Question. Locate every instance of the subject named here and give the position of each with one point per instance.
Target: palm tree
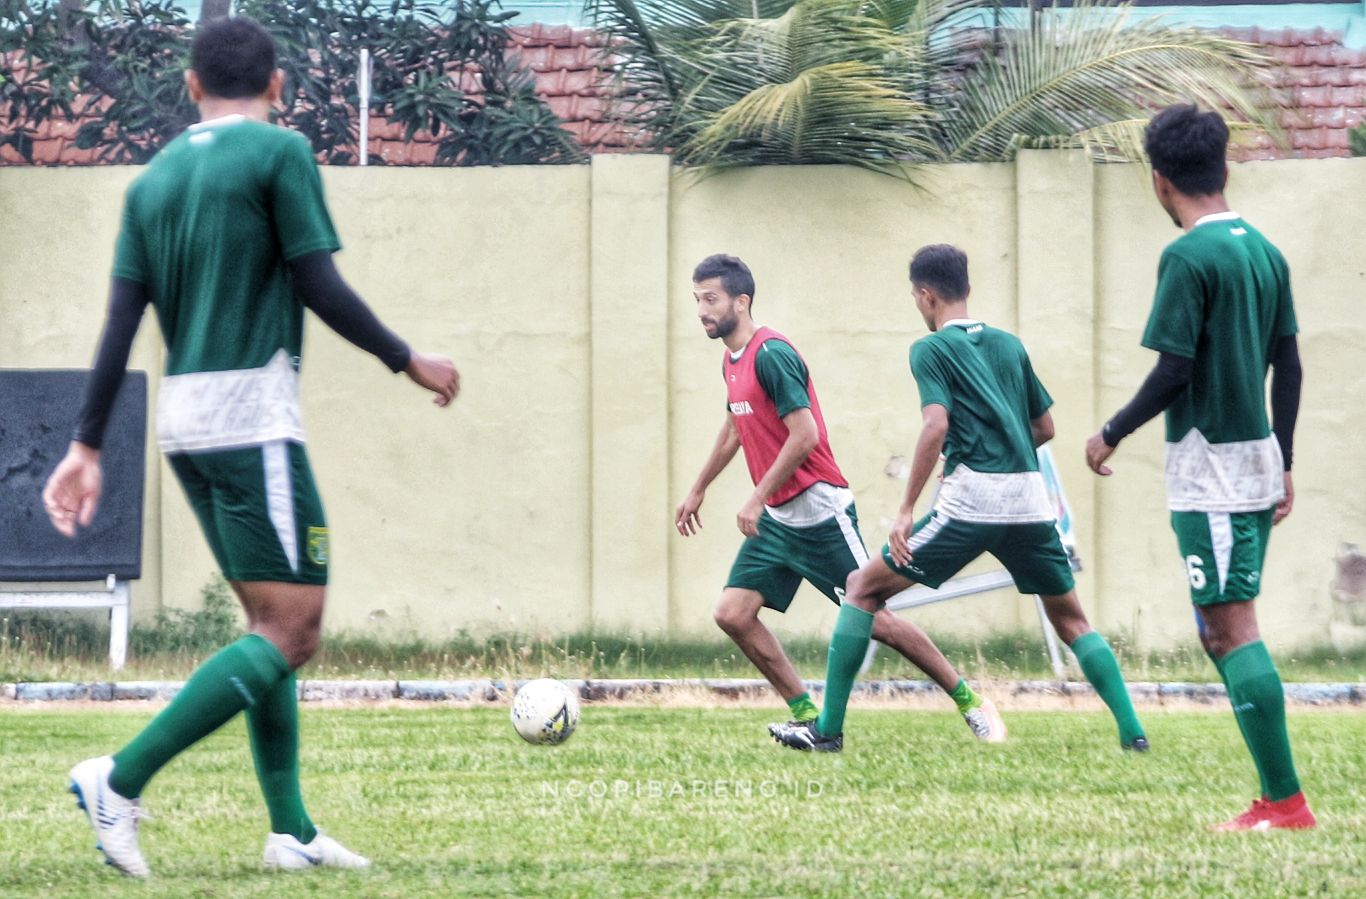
(885, 84)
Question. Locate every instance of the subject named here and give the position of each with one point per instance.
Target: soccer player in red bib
(800, 522)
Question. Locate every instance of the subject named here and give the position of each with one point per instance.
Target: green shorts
(1031, 552)
(775, 560)
(260, 511)
(1223, 553)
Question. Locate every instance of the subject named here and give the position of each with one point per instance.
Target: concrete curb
(1319, 694)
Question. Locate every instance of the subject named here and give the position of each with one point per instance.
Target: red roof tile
(1323, 82)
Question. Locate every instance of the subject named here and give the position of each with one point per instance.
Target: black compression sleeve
(322, 289)
(1286, 376)
(127, 301)
(1163, 385)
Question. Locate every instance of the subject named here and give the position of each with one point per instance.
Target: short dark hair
(233, 57)
(1188, 148)
(943, 269)
(734, 274)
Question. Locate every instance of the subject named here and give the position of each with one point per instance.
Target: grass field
(671, 801)
(72, 646)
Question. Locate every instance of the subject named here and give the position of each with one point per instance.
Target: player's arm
(687, 517)
(783, 376)
(934, 428)
(1041, 429)
(802, 437)
(320, 287)
(1168, 379)
(72, 493)
(1287, 376)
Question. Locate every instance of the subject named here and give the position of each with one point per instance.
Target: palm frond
(1076, 74)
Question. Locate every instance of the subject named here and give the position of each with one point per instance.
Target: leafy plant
(199, 631)
(439, 67)
(38, 72)
(1356, 140)
(884, 83)
(135, 50)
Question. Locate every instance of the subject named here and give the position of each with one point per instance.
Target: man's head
(939, 278)
(724, 290)
(233, 59)
(1188, 149)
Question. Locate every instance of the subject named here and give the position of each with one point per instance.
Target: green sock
(848, 646)
(1242, 728)
(1258, 700)
(273, 724)
(233, 679)
(1098, 663)
(803, 709)
(963, 697)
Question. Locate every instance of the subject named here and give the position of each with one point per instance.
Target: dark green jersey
(983, 377)
(208, 228)
(1223, 300)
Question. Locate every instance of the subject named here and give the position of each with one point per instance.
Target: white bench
(115, 597)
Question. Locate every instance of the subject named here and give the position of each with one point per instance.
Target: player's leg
(835, 551)
(1224, 553)
(760, 578)
(1203, 631)
(1098, 664)
(1035, 558)
(939, 551)
(737, 614)
(228, 682)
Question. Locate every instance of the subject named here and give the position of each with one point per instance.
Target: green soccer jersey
(208, 230)
(1223, 300)
(983, 378)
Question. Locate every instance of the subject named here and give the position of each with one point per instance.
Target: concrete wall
(543, 500)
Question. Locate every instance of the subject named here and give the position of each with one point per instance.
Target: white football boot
(114, 818)
(986, 722)
(286, 853)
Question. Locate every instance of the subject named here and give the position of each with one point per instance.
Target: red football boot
(1291, 813)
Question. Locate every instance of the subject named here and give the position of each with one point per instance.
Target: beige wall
(542, 501)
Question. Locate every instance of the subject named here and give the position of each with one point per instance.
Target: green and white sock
(848, 647)
(235, 678)
(273, 724)
(1258, 700)
(1101, 668)
(803, 709)
(963, 697)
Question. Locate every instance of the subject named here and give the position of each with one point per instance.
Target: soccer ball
(545, 711)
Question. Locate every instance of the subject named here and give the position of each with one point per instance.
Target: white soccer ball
(545, 711)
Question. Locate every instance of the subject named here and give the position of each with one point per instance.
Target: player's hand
(898, 544)
(687, 517)
(1097, 451)
(437, 374)
(73, 490)
(1284, 506)
(747, 519)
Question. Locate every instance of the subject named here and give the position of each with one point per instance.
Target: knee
(853, 585)
(731, 619)
(303, 647)
(297, 642)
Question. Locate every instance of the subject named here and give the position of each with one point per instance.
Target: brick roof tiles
(1323, 81)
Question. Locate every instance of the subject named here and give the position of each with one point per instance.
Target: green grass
(72, 646)
(448, 801)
